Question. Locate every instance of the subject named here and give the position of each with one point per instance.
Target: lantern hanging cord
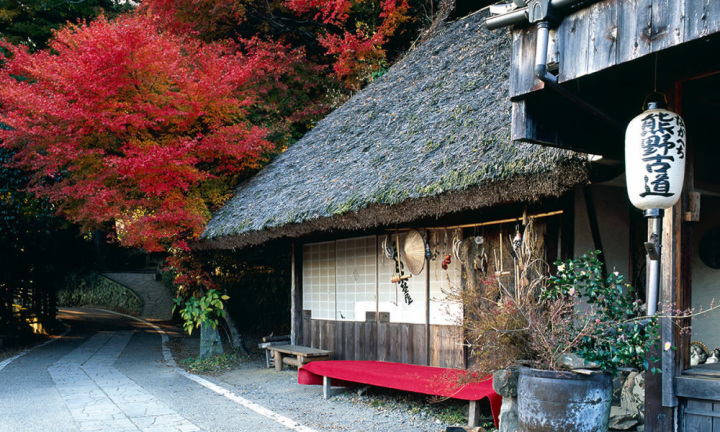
(655, 73)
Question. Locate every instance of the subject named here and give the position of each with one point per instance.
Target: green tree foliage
(35, 249)
(32, 22)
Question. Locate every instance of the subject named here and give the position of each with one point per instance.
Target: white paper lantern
(655, 158)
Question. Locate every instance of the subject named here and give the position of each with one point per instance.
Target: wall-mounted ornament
(414, 249)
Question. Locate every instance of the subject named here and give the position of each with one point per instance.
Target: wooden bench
(302, 355)
(407, 377)
(269, 341)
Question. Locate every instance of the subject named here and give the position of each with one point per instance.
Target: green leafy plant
(203, 310)
(607, 324)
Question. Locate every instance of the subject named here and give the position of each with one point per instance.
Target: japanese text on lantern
(663, 140)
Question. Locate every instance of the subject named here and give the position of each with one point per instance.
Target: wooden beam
(670, 281)
(595, 227)
(296, 296)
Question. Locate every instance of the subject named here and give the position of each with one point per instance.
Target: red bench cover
(419, 379)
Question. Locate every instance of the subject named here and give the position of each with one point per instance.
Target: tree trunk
(236, 339)
(210, 344)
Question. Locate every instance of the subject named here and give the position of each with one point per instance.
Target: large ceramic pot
(550, 401)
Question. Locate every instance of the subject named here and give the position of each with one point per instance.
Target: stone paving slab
(102, 399)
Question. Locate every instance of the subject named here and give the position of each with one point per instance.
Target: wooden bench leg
(278, 361)
(474, 414)
(326, 387)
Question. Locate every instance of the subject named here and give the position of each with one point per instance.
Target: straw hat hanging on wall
(414, 249)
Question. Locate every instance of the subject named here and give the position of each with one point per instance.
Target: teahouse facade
(424, 150)
(581, 70)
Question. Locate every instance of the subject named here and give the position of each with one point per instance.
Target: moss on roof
(431, 136)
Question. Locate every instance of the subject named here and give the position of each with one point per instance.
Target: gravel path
(280, 392)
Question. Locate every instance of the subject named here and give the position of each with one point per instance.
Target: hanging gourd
(655, 157)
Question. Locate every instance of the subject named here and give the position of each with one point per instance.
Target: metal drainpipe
(541, 69)
(653, 260)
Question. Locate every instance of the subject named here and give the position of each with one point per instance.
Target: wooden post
(278, 361)
(474, 414)
(427, 312)
(327, 387)
(296, 296)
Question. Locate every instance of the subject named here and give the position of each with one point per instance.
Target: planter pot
(550, 401)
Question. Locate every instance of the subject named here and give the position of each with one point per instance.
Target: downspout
(540, 11)
(652, 248)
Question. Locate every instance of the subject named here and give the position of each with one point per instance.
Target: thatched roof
(431, 137)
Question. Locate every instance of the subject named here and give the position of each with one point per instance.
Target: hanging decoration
(414, 249)
(655, 156)
(400, 277)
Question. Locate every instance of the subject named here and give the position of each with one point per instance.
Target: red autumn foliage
(123, 122)
(360, 50)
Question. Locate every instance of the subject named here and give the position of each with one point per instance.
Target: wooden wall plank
(574, 37)
(696, 18)
(406, 343)
(420, 338)
(359, 340)
(329, 329)
(338, 339)
(668, 24)
(522, 76)
(702, 18)
(634, 28)
(350, 342)
(716, 418)
(602, 51)
(446, 348)
(316, 335)
(383, 341)
(307, 331)
(371, 338)
(697, 422)
(394, 343)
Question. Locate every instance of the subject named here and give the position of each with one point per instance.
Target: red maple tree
(352, 33)
(126, 123)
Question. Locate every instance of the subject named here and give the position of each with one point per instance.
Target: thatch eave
(528, 189)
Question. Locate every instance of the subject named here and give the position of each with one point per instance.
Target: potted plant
(568, 333)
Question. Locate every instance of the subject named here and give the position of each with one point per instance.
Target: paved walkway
(114, 372)
(101, 398)
(155, 296)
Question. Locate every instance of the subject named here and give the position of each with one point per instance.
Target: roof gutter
(520, 16)
(542, 13)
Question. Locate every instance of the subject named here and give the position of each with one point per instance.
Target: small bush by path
(92, 289)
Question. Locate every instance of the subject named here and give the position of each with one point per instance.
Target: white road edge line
(167, 355)
(7, 361)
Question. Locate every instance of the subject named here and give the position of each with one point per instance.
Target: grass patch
(214, 364)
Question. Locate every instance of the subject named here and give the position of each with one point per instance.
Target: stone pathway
(101, 398)
(157, 302)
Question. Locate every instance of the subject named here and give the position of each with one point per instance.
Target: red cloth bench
(419, 379)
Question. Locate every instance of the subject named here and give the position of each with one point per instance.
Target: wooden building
(601, 59)
(425, 147)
